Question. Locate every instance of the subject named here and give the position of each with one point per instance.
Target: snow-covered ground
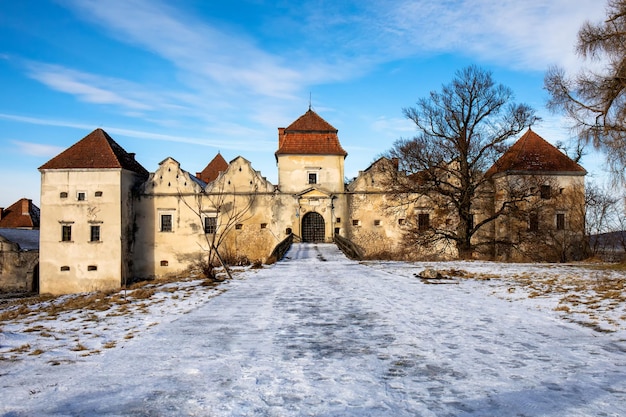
(321, 335)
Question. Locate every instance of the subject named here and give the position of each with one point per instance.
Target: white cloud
(37, 149)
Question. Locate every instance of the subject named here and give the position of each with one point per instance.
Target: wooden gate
(313, 227)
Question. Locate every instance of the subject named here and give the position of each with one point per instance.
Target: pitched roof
(533, 153)
(213, 169)
(26, 239)
(309, 135)
(96, 150)
(21, 214)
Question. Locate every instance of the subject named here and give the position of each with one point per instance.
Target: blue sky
(190, 78)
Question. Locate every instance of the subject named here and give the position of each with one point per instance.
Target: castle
(105, 219)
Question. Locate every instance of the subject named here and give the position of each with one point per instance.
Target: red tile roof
(96, 150)
(309, 135)
(21, 214)
(213, 169)
(533, 153)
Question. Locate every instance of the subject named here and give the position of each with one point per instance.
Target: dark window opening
(338, 220)
(65, 268)
(164, 263)
(288, 231)
(98, 194)
(263, 225)
(92, 268)
(239, 226)
(546, 192)
(63, 195)
(210, 225)
(401, 221)
(560, 221)
(166, 222)
(312, 178)
(355, 222)
(376, 222)
(423, 221)
(81, 196)
(95, 234)
(66, 233)
(533, 222)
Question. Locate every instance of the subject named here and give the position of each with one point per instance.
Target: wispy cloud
(36, 149)
(208, 141)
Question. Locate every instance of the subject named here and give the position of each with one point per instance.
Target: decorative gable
(171, 178)
(239, 177)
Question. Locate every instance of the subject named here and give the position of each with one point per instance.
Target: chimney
(26, 205)
(281, 136)
(132, 155)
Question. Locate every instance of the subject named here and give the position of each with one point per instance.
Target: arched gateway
(313, 227)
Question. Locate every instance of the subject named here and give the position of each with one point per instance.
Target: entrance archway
(313, 227)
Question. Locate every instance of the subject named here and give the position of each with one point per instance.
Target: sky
(192, 78)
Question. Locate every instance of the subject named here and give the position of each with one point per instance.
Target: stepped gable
(309, 135)
(532, 153)
(97, 150)
(213, 169)
(21, 214)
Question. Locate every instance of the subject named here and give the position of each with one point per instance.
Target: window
(338, 220)
(66, 233)
(337, 230)
(92, 268)
(210, 225)
(263, 225)
(312, 178)
(81, 196)
(355, 222)
(533, 222)
(238, 226)
(95, 234)
(546, 192)
(560, 221)
(164, 263)
(63, 195)
(288, 231)
(65, 268)
(166, 222)
(423, 221)
(98, 194)
(401, 221)
(376, 222)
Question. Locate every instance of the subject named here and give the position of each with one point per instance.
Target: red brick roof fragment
(533, 153)
(97, 150)
(309, 135)
(21, 214)
(213, 169)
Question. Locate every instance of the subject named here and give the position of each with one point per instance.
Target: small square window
(98, 194)
(288, 231)
(401, 221)
(263, 225)
(376, 222)
(63, 195)
(66, 233)
(312, 178)
(92, 268)
(337, 230)
(210, 225)
(95, 234)
(338, 220)
(164, 263)
(423, 221)
(81, 196)
(355, 222)
(166, 222)
(239, 226)
(65, 268)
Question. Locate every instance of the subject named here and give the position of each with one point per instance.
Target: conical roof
(532, 153)
(97, 150)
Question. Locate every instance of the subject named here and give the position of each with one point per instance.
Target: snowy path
(320, 335)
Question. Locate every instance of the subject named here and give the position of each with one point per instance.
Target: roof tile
(309, 135)
(213, 169)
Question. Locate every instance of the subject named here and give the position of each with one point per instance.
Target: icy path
(320, 335)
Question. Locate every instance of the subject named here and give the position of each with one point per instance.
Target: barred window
(95, 234)
(166, 222)
(210, 224)
(66, 233)
(423, 221)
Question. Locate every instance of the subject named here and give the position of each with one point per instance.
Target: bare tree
(604, 218)
(218, 211)
(595, 100)
(462, 130)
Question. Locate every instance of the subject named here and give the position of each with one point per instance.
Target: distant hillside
(610, 246)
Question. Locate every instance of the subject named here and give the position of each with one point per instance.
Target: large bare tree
(462, 130)
(595, 99)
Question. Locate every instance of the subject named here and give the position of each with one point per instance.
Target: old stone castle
(105, 218)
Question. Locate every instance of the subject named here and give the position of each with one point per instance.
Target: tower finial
(309, 100)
